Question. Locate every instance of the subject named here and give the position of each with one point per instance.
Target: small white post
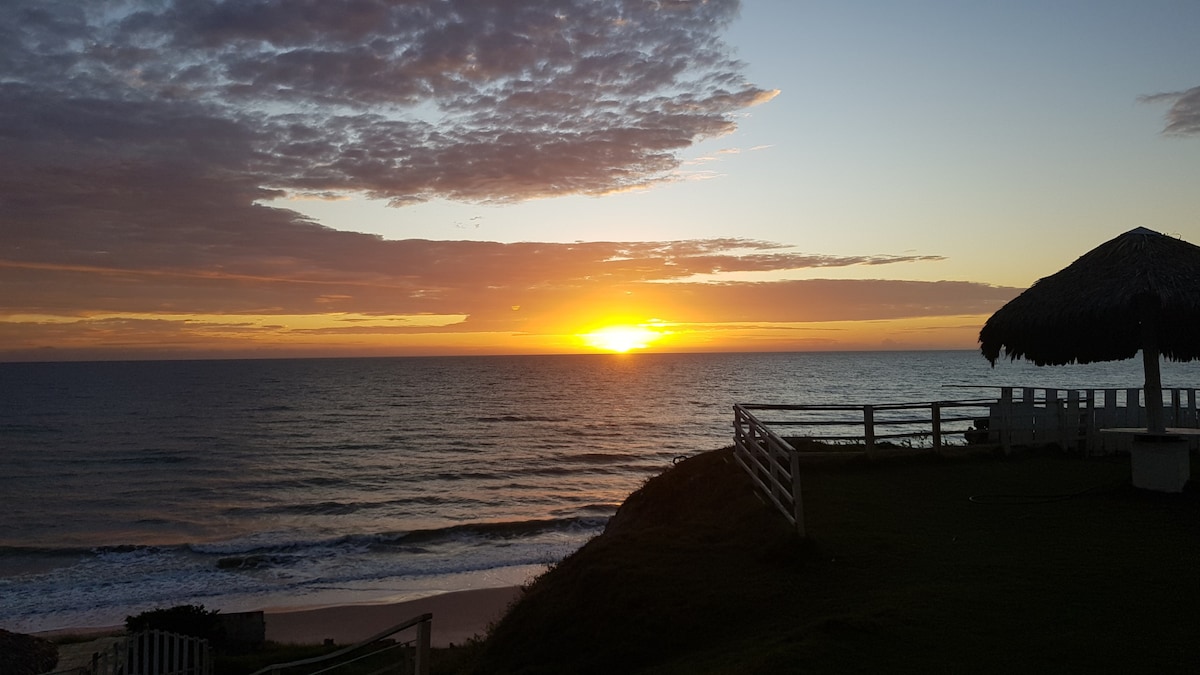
(869, 428)
(424, 629)
(1133, 408)
(797, 495)
(1072, 420)
(1006, 421)
(936, 412)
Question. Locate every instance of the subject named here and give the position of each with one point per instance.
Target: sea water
(253, 484)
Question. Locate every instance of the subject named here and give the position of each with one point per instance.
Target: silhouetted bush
(191, 620)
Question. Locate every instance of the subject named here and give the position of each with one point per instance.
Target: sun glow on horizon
(621, 339)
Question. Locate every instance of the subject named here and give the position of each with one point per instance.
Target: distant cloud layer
(405, 101)
(1183, 118)
(306, 269)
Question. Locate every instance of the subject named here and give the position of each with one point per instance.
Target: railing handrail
(833, 407)
(762, 462)
(422, 622)
(880, 421)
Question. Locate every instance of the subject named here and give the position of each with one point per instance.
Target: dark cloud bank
(139, 142)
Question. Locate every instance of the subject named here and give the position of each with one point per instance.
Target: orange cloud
(364, 294)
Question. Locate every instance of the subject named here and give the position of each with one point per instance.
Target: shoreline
(458, 616)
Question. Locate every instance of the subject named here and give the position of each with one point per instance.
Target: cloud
(296, 267)
(780, 302)
(297, 285)
(403, 101)
(1183, 118)
(784, 316)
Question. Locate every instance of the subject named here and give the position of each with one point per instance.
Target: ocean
(267, 484)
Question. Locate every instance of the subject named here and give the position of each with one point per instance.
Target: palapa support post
(1153, 388)
(1158, 460)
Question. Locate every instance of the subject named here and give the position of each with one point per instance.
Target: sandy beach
(457, 617)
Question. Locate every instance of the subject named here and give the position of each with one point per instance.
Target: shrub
(191, 620)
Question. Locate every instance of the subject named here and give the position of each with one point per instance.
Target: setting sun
(621, 338)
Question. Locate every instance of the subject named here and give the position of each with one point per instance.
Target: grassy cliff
(1037, 562)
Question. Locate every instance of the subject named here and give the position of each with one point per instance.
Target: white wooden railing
(397, 656)
(1074, 418)
(771, 462)
(154, 652)
(1070, 418)
(924, 425)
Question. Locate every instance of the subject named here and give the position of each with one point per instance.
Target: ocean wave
(343, 508)
(151, 456)
(467, 475)
(521, 418)
(272, 408)
(268, 545)
(496, 530)
(486, 532)
(602, 511)
(21, 428)
(49, 551)
(597, 458)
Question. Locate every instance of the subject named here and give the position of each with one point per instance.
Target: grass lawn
(1032, 563)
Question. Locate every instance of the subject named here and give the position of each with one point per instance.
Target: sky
(262, 178)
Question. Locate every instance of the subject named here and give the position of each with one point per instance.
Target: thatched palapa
(1139, 291)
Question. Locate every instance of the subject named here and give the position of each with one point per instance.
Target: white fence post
(1133, 408)
(797, 495)
(1006, 419)
(421, 667)
(869, 428)
(154, 652)
(936, 420)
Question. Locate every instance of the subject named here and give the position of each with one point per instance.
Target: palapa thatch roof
(1095, 308)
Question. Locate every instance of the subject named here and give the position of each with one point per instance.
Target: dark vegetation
(1033, 563)
(191, 620)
